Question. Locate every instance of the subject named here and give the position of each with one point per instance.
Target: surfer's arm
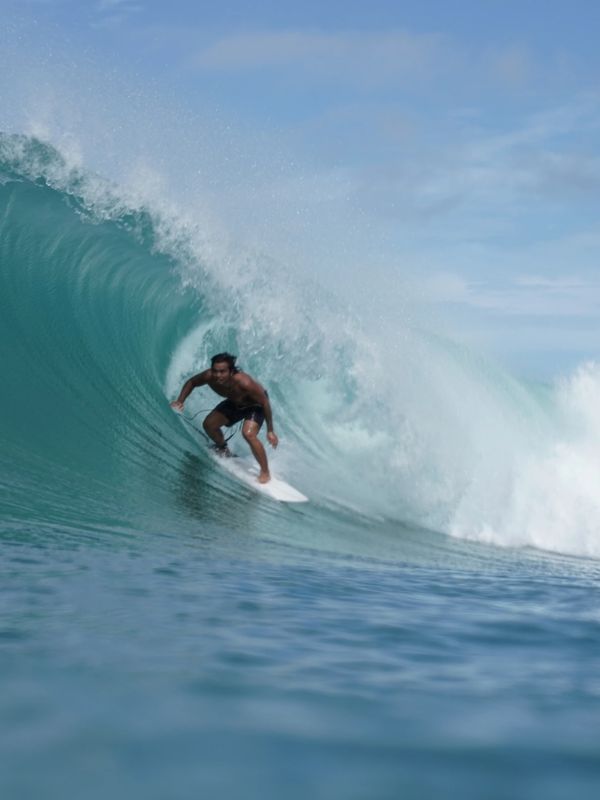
(271, 435)
(188, 387)
(268, 412)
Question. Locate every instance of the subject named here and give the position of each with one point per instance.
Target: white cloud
(114, 13)
(377, 57)
(112, 5)
(523, 295)
(497, 175)
(513, 66)
(280, 47)
(556, 285)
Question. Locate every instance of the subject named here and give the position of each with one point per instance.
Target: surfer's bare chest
(234, 393)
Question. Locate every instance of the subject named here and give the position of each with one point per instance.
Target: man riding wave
(245, 400)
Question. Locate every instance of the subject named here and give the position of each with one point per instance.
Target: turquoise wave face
(89, 317)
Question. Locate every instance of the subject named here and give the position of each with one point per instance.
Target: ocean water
(427, 626)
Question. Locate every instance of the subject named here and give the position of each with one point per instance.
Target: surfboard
(246, 471)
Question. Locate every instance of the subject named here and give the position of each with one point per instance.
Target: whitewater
(426, 626)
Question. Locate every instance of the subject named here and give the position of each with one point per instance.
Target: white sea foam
(549, 496)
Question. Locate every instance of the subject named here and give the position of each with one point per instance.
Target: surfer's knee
(249, 435)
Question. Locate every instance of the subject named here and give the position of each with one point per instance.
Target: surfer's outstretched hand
(272, 439)
(177, 405)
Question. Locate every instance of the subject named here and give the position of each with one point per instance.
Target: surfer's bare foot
(264, 477)
(221, 450)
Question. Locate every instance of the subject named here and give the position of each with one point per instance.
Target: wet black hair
(227, 358)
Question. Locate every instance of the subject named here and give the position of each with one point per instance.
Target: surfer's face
(221, 371)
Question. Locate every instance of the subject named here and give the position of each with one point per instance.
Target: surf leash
(201, 432)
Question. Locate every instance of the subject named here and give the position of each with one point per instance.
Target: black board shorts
(235, 413)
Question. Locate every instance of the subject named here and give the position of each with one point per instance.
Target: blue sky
(448, 149)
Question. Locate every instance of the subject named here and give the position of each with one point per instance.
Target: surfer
(245, 400)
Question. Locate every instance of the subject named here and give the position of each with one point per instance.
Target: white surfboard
(246, 471)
